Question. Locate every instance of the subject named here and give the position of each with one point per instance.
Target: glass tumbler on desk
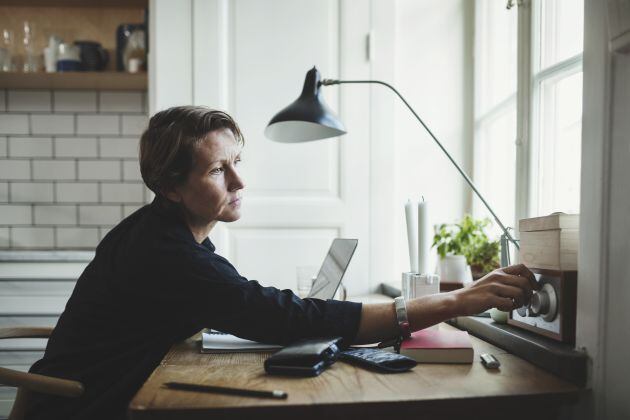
(305, 276)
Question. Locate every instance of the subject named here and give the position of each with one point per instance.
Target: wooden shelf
(71, 20)
(108, 80)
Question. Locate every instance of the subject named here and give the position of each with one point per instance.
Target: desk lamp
(309, 118)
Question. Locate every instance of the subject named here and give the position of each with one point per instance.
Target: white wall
(616, 345)
(604, 284)
(433, 70)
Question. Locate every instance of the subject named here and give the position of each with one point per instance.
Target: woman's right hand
(504, 288)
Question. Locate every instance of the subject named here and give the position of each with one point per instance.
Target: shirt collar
(168, 210)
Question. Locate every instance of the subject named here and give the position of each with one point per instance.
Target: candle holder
(416, 285)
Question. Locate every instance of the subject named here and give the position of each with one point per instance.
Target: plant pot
(477, 271)
(454, 269)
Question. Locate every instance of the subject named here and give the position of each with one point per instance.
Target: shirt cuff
(346, 317)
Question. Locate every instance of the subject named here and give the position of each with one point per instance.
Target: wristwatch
(401, 316)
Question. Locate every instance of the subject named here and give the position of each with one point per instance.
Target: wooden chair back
(28, 382)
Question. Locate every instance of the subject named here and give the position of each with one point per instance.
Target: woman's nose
(236, 182)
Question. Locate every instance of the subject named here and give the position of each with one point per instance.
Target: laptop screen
(333, 268)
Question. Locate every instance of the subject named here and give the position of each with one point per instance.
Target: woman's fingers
(505, 289)
(515, 294)
(522, 271)
(519, 282)
(502, 304)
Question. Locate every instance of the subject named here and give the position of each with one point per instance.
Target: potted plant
(465, 244)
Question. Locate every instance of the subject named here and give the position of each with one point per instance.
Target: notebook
(438, 346)
(217, 342)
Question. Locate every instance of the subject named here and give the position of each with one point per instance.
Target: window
(495, 109)
(557, 106)
(528, 107)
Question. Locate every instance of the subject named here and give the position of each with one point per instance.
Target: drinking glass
(6, 51)
(306, 274)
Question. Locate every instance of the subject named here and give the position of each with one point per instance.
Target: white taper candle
(411, 216)
(424, 237)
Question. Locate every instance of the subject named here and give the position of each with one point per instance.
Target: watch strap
(401, 316)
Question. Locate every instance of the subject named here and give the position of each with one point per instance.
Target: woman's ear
(172, 194)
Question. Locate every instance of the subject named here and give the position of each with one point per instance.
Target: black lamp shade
(307, 118)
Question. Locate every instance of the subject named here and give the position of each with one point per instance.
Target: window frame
(529, 80)
(485, 115)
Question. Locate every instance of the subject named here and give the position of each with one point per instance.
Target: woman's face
(212, 191)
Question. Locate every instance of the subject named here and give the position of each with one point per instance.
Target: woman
(155, 279)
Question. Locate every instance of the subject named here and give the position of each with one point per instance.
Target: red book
(438, 346)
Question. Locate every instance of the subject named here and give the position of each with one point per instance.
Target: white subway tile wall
(30, 147)
(4, 192)
(55, 214)
(3, 146)
(32, 192)
(98, 124)
(54, 169)
(125, 147)
(77, 192)
(76, 147)
(74, 101)
(94, 170)
(99, 215)
(77, 237)
(14, 123)
(117, 192)
(32, 237)
(133, 125)
(68, 166)
(49, 124)
(16, 215)
(30, 100)
(4, 237)
(120, 102)
(131, 170)
(15, 169)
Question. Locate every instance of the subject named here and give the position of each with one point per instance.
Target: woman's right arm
(505, 289)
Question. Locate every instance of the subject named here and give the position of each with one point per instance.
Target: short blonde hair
(167, 145)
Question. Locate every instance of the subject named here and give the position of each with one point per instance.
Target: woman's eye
(216, 171)
(237, 161)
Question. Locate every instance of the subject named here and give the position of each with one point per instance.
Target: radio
(549, 248)
(552, 309)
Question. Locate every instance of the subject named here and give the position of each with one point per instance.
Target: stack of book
(438, 346)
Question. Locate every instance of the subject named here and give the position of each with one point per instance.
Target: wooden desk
(519, 390)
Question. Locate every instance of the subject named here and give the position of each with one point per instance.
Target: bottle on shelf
(7, 51)
(31, 58)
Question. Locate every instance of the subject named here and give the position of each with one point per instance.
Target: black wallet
(304, 358)
(376, 359)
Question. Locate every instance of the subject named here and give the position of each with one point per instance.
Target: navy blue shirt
(150, 285)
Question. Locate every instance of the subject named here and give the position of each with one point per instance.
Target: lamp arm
(328, 82)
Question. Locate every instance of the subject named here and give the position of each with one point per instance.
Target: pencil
(225, 390)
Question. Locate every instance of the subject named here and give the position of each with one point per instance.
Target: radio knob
(544, 303)
(540, 303)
